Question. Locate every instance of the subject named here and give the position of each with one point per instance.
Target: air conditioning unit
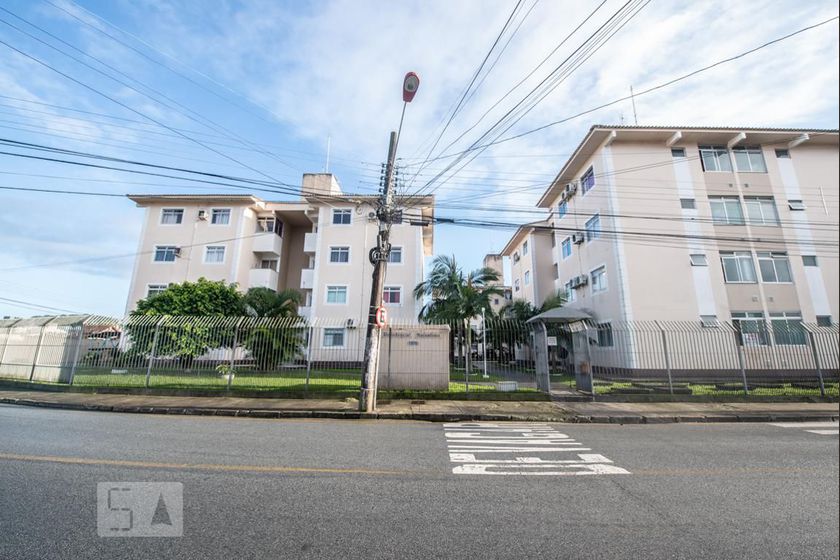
(516, 257)
(569, 190)
(202, 214)
(351, 324)
(583, 280)
(371, 216)
(578, 238)
(177, 251)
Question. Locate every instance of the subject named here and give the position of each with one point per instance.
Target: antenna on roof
(327, 164)
(633, 100)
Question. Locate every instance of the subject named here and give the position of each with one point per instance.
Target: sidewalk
(433, 410)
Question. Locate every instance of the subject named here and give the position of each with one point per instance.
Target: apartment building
(318, 245)
(690, 224)
(495, 262)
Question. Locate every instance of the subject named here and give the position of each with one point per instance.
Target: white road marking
(818, 428)
(539, 450)
(824, 432)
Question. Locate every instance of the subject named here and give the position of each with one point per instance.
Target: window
(495, 301)
(774, 267)
(796, 205)
(787, 328)
(337, 294)
(809, 260)
(154, 289)
(527, 277)
(571, 295)
(220, 216)
(605, 334)
(824, 320)
(515, 257)
(761, 210)
(342, 216)
(751, 329)
(516, 285)
(782, 153)
(738, 267)
(749, 159)
(556, 270)
(269, 225)
(333, 338)
(678, 152)
(587, 181)
(165, 253)
(395, 256)
(698, 259)
(599, 279)
(593, 227)
(709, 321)
(214, 254)
(392, 295)
(269, 264)
(524, 248)
(171, 216)
(715, 158)
(339, 254)
(562, 208)
(726, 210)
(566, 248)
(688, 204)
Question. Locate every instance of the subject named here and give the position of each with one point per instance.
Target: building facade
(531, 266)
(495, 262)
(691, 224)
(318, 245)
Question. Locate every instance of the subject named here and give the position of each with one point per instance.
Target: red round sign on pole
(381, 316)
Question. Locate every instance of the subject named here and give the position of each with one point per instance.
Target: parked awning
(561, 315)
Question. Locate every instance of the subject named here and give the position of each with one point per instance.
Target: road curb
(427, 416)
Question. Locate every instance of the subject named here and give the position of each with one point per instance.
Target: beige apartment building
(689, 224)
(495, 262)
(318, 245)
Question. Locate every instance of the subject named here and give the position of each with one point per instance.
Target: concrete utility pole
(379, 258)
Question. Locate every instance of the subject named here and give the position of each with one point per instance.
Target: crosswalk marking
(521, 449)
(818, 428)
(824, 432)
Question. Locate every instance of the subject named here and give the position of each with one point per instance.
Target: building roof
(143, 199)
(600, 134)
(520, 234)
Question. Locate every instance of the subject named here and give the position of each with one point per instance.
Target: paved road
(378, 489)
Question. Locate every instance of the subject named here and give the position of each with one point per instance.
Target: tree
(265, 302)
(271, 345)
(520, 311)
(455, 296)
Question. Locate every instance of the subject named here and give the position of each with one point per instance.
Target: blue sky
(265, 83)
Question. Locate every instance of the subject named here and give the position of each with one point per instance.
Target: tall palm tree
(455, 296)
(265, 302)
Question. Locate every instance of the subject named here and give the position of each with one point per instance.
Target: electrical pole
(379, 258)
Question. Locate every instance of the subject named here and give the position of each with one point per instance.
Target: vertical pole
(309, 342)
(367, 402)
(233, 353)
(667, 357)
(484, 341)
(152, 353)
(589, 359)
(76, 352)
(816, 361)
(38, 349)
(741, 361)
(6, 342)
(463, 342)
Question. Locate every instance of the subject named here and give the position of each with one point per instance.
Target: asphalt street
(395, 489)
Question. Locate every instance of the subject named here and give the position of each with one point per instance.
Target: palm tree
(265, 302)
(521, 311)
(271, 346)
(455, 296)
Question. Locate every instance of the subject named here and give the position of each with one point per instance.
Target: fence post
(310, 339)
(462, 343)
(233, 352)
(667, 357)
(38, 349)
(152, 352)
(739, 348)
(76, 353)
(484, 341)
(816, 360)
(6, 342)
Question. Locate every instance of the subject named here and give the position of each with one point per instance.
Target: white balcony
(267, 242)
(309, 242)
(262, 278)
(307, 278)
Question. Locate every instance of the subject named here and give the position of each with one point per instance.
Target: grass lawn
(709, 389)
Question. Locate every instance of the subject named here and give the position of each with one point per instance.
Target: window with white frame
(214, 254)
(809, 260)
(751, 328)
(593, 227)
(715, 158)
(761, 210)
(796, 205)
(774, 267)
(333, 338)
(269, 225)
(726, 210)
(678, 152)
(527, 277)
(598, 277)
(165, 253)
(337, 294)
(342, 216)
(562, 208)
(698, 259)
(524, 248)
(340, 254)
(155, 289)
(787, 328)
(220, 216)
(516, 285)
(392, 295)
(566, 248)
(571, 294)
(269, 264)
(783, 153)
(605, 334)
(587, 181)
(688, 204)
(395, 255)
(738, 267)
(749, 159)
(171, 216)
